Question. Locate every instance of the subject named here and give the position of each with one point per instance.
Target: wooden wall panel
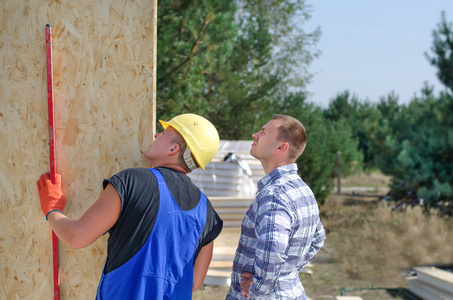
(104, 56)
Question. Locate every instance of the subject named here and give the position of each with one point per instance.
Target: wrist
(47, 215)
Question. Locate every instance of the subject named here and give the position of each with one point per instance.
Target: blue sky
(372, 48)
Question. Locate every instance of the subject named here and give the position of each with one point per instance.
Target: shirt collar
(276, 173)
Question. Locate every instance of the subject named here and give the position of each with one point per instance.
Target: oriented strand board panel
(104, 80)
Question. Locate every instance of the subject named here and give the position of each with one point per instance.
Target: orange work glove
(50, 194)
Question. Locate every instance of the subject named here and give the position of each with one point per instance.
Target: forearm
(267, 271)
(68, 230)
(272, 229)
(96, 221)
(201, 266)
(317, 243)
(269, 256)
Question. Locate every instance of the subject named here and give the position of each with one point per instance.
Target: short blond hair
(293, 132)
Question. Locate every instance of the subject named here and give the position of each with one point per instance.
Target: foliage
(443, 51)
(292, 48)
(243, 85)
(193, 39)
(238, 63)
(416, 149)
(227, 60)
(383, 126)
(414, 144)
(352, 113)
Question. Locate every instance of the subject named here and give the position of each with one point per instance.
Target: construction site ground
(370, 249)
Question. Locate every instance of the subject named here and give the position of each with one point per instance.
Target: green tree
(227, 60)
(244, 84)
(426, 153)
(269, 57)
(443, 52)
(414, 144)
(354, 114)
(383, 127)
(416, 148)
(193, 39)
(293, 48)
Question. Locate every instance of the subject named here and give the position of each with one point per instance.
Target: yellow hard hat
(200, 135)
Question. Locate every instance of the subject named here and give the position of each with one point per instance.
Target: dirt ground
(370, 248)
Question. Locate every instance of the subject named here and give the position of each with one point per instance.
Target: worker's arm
(317, 242)
(96, 221)
(200, 268)
(272, 229)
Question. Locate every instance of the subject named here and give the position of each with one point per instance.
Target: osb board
(104, 81)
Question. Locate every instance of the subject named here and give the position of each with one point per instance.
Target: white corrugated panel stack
(236, 177)
(432, 283)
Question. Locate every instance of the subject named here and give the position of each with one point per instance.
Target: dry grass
(374, 242)
(369, 246)
(374, 179)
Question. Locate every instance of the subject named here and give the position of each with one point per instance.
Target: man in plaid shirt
(281, 231)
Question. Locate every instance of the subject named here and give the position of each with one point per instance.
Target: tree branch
(192, 54)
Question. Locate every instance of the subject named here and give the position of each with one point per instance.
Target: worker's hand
(50, 194)
(246, 282)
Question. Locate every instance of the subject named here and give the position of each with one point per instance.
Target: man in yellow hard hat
(161, 226)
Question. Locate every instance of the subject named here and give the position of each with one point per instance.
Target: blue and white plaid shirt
(281, 233)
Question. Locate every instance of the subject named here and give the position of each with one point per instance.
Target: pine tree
(443, 52)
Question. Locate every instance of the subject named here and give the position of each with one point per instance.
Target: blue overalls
(163, 267)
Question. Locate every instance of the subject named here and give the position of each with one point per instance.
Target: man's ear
(284, 146)
(174, 149)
